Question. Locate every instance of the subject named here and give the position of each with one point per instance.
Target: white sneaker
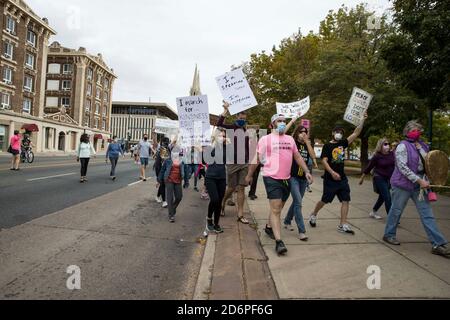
(164, 205)
(313, 220)
(375, 215)
(158, 199)
(288, 227)
(345, 228)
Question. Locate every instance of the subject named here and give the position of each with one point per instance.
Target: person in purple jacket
(407, 180)
(383, 164)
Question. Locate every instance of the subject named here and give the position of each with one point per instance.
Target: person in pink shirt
(15, 151)
(276, 152)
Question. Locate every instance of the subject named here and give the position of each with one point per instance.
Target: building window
(90, 74)
(31, 38)
(104, 124)
(8, 50)
(89, 90)
(87, 122)
(29, 61)
(106, 83)
(67, 68)
(95, 123)
(7, 75)
(98, 93)
(99, 79)
(97, 108)
(54, 68)
(52, 85)
(51, 102)
(27, 105)
(66, 84)
(10, 25)
(65, 101)
(88, 105)
(6, 100)
(104, 111)
(105, 97)
(28, 84)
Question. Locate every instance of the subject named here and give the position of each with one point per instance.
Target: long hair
(380, 144)
(297, 132)
(84, 138)
(216, 134)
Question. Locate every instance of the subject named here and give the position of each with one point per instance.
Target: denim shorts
(277, 189)
(144, 161)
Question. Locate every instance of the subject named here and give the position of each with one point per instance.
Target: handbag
(10, 149)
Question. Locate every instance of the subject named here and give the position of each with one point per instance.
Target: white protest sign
(166, 126)
(357, 106)
(236, 91)
(290, 110)
(193, 115)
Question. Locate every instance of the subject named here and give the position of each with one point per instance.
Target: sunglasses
(387, 144)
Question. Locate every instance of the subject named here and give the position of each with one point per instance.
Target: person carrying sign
(237, 171)
(335, 182)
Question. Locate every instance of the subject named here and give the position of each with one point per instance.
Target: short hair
(410, 126)
(16, 132)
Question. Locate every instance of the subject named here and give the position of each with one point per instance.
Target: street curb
(204, 280)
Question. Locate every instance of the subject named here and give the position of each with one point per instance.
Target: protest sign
(290, 110)
(357, 106)
(166, 126)
(236, 91)
(193, 115)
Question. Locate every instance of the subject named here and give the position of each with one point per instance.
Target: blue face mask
(241, 123)
(281, 128)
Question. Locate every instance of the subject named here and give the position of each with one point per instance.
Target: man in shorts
(335, 182)
(238, 169)
(276, 152)
(143, 149)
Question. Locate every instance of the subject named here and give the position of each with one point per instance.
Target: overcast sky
(153, 45)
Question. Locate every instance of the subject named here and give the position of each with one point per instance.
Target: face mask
(414, 135)
(220, 140)
(145, 139)
(241, 122)
(281, 127)
(338, 136)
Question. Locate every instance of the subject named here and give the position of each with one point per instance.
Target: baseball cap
(276, 117)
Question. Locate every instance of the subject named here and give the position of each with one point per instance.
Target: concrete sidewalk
(332, 265)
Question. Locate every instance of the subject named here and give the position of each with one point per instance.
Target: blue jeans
(400, 198)
(298, 187)
(382, 186)
(187, 174)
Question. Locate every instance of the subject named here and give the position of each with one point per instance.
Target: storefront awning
(98, 136)
(30, 127)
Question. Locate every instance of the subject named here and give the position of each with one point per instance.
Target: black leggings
(216, 190)
(84, 165)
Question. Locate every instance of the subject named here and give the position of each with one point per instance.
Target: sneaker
(113, 178)
(345, 228)
(303, 237)
(196, 189)
(218, 229)
(158, 199)
(269, 232)
(280, 248)
(288, 227)
(252, 197)
(308, 188)
(313, 220)
(210, 228)
(441, 251)
(375, 215)
(172, 219)
(392, 241)
(231, 203)
(186, 185)
(164, 205)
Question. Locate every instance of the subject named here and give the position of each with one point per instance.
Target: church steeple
(195, 89)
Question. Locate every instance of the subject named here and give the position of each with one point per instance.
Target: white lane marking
(50, 177)
(132, 184)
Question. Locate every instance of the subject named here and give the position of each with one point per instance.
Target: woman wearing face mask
(298, 183)
(383, 163)
(216, 182)
(172, 174)
(113, 153)
(407, 180)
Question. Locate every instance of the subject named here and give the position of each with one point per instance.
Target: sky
(154, 45)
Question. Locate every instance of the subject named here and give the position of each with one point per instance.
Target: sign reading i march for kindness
(193, 116)
(166, 126)
(236, 91)
(357, 106)
(290, 110)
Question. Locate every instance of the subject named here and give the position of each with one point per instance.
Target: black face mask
(145, 139)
